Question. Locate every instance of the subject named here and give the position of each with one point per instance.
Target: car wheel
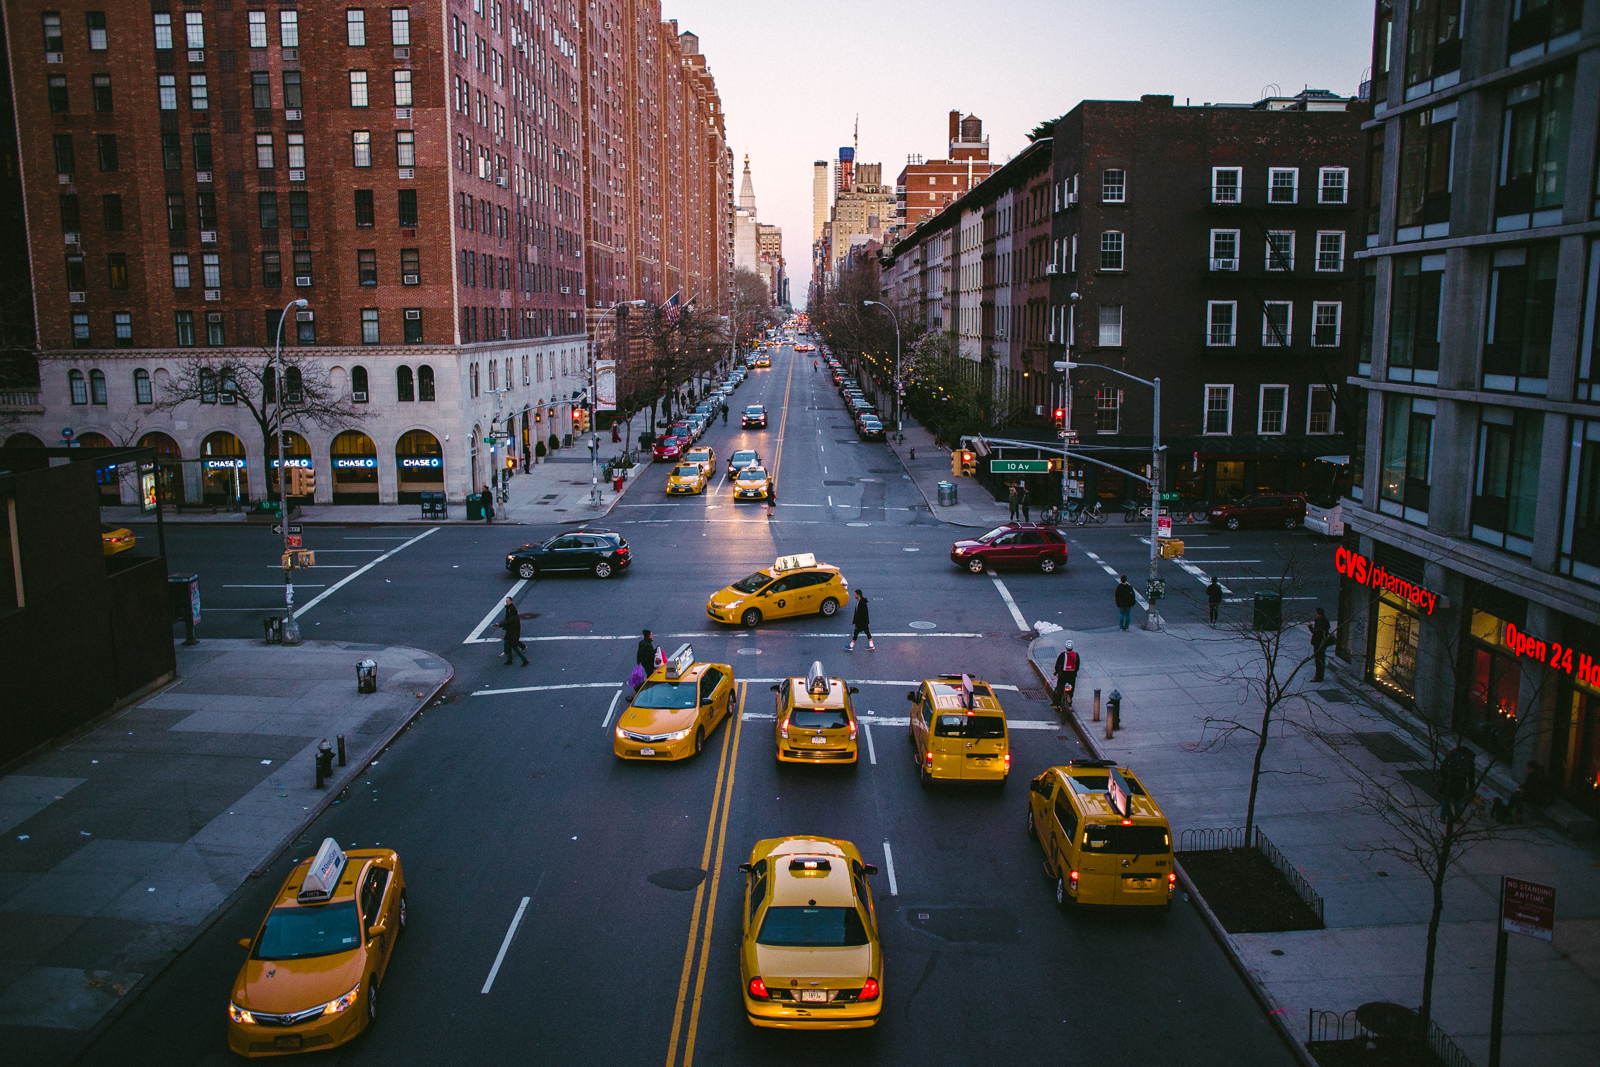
(976, 566)
(699, 740)
(751, 618)
(400, 915)
(1048, 564)
(1033, 831)
(1063, 899)
(1292, 523)
(527, 571)
(602, 569)
(372, 1000)
(829, 606)
(1232, 523)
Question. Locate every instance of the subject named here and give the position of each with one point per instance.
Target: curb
(932, 508)
(1269, 1007)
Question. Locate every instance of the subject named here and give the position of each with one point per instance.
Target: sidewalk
(556, 489)
(1376, 908)
(120, 847)
(975, 507)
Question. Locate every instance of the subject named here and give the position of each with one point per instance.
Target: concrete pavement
(1376, 907)
(120, 846)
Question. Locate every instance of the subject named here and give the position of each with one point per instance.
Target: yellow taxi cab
(763, 359)
(809, 958)
(114, 539)
(1104, 837)
(816, 719)
(315, 966)
(705, 455)
(958, 730)
(751, 483)
(793, 585)
(687, 478)
(676, 709)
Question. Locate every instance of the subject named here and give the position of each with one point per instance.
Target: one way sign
(294, 528)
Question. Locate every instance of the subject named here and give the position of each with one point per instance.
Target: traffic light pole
(291, 628)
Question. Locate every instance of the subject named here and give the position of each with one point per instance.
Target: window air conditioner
(402, 112)
(500, 180)
(1224, 264)
(359, 398)
(53, 57)
(566, 289)
(410, 279)
(402, 53)
(297, 175)
(213, 294)
(197, 55)
(291, 54)
(413, 313)
(1072, 198)
(305, 316)
(292, 114)
(72, 238)
(407, 173)
(75, 298)
(202, 175)
(208, 237)
(302, 281)
(64, 179)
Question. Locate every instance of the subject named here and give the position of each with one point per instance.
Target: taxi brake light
(1073, 878)
(1172, 879)
(1008, 761)
(930, 756)
(758, 989)
(869, 989)
(783, 729)
(852, 729)
(1127, 822)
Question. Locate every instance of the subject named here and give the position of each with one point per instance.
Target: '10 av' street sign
(1019, 466)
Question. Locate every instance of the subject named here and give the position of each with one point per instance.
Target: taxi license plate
(819, 740)
(647, 752)
(1141, 883)
(287, 1041)
(814, 996)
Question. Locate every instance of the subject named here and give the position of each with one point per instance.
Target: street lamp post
(1153, 618)
(899, 425)
(291, 628)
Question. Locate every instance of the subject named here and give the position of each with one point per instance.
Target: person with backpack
(1126, 599)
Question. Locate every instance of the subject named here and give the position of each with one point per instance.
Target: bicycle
(1199, 512)
(1132, 512)
(1050, 515)
(1086, 515)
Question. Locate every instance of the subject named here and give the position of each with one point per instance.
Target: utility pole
(291, 628)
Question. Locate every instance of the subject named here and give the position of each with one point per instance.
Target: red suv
(1016, 544)
(1263, 509)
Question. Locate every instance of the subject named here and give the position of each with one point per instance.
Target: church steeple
(747, 192)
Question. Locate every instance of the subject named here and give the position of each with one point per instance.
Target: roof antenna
(855, 138)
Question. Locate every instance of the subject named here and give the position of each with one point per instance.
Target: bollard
(1114, 712)
(341, 750)
(1097, 705)
(324, 762)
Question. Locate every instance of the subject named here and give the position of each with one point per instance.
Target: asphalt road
(509, 790)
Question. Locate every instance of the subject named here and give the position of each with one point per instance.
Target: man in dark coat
(1125, 602)
(1319, 642)
(1214, 598)
(646, 656)
(488, 504)
(512, 625)
(1024, 502)
(860, 623)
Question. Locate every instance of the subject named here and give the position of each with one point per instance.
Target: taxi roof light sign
(817, 683)
(966, 691)
(795, 562)
(680, 661)
(323, 877)
(1117, 789)
(810, 865)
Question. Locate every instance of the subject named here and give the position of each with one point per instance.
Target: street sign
(293, 541)
(1527, 908)
(1169, 498)
(294, 528)
(1019, 466)
(1163, 526)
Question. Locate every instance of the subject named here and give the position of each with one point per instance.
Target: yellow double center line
(705, 901)
(783, 421)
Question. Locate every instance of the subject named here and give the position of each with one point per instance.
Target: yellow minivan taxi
(809, 958)
(793, 585)
(958, 731)
(676, 709)
(316, 964)
(1105, 839)
(816, 719)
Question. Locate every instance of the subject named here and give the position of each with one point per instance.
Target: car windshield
(742, 458)
(992, 534)
(752, 474)
(757, 410)
(319, 930)
(818, 718)
(752, 583)
(1127, 840)
(669, 696)
(688, 470)
(802, 927)
(970, 726)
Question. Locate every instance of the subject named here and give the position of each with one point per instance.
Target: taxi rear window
(818, 718)
(1127, 840)
(970, 726)
(802, 927)
(668, 696)
(752, 583)
(296, 933)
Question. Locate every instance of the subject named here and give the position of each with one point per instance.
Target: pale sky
(794, 76)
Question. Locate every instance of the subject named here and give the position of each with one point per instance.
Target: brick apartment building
(927, 186)
(440, 184)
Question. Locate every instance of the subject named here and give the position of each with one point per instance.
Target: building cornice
(1482, 240)
(1478, 396)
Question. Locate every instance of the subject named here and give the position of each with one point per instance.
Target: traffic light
(1061, 418)
(302, 481)
(956, 466)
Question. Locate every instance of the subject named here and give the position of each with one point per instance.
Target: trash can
(273, 625)
(947, 494)
(474, 507)
(367, 676)
(433, 506)
(1268, 611)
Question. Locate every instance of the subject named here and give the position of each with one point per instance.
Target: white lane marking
(511, 932)
(612, 710)
(888, 863)
(1144, 605)
(349, 550)
(830, 499)
(321, 567)
(671, 505)
(872, 753)
(336, 586)
(1005, 594)
(499, 608)
(279, 585)
(1199, 575)
(547, 688)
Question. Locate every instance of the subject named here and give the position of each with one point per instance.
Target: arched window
(208, 386)
(405, 386)
(425, 382)
(269, 385)
(292, 388)
(358, 384)
(141, 387)
(97, 386)
(80, 390)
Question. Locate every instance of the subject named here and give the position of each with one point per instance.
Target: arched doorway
(104, 477)
(224, 477)
(472, 455)
(169, 464)
(23, 440)
(419, 459)
(296, 453)
(355, 469)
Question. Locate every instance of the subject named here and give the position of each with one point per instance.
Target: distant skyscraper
(819, 198)
(847, 170)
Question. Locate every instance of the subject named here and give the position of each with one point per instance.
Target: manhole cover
(858, 524)
(578, 624)
(749, 652)
(678, 879)
(924, 626)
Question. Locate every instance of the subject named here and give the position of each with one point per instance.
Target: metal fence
(1220, 837)
(1331, 1027)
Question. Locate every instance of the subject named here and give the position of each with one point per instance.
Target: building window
(404, 384)
(1319, 410)
(1274, 415)
(271, 270)
(1414, 318)
(214, 335)
(1280, 250)
(367, 266)
(264, 154)
(364, 213)
(185, 337)
(405, 152)
(117, 270)
(199, 98)
(293, 96)
(289, 29)
(76, 280)
(211, 270)
(302, 269)
(361, 148)
(1277, 323)
(1225, 184)
(1533, 152)
(424, 372)
(111, 208)
(70, 220)
(180, 272)
(171, 152)
(299, 210)
(205, 205)
(260, 90)
(1541, 27)
(57, 86)
(163, 29)
(122, 323)
(355, 27)
(407, 207)
(1110, 325)
(167, 92)
(305, 324)
(1111, 250)
(369, 326)
(66, 161)
(1407, 457)
(1107, 410)
(141, 387)
(202, 151)
(100, 92)
(1506, 491)
(400, 26)
(1330, 250)
(1521, 320)
(402, 88)
(358, 88)
(1427, 152)
(1333, 185)
(1219, 409)
(1224, 249)
(296, 144)
(80, 339)
(1580, 537)
(1325, 322)
(1221, 319)
(258, 29)
(411, 266)
(194, 29)
(1114, 186)
(1283, 185)
(77, 386)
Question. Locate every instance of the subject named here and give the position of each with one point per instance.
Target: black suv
(601, 552)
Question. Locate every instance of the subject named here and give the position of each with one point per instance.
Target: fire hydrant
(616, 481)
(324, 762)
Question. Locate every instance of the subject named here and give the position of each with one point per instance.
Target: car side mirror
(853, 689)
(870, 868)
(774, 688)
(376, 929)
(744, 868)
(244, 942)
